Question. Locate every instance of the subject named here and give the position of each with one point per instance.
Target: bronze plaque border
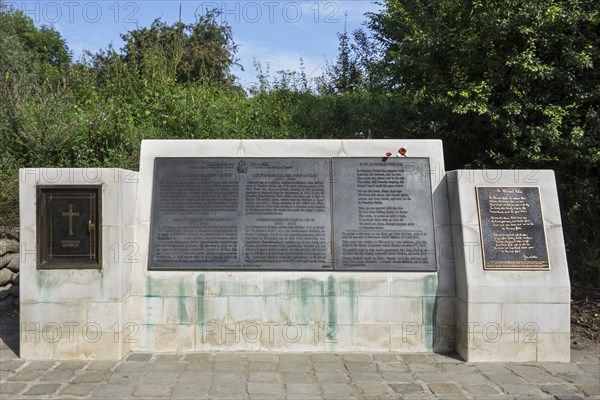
(482, 242)
(42, 240)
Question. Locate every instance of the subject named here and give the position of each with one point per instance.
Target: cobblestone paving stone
(239, 375)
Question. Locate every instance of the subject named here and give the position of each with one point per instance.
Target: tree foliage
(203, 50)
(26, 51)
(357, 67)
(32, 60)
(509, 83)
(525, 71)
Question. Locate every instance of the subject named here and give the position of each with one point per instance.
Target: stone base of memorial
(77, 248)
(512, 282)
(292, 245)
(296, 253)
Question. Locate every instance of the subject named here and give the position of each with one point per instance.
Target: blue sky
(273, 32)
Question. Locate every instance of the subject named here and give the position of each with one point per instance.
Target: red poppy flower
(388, 154)
(402, 151)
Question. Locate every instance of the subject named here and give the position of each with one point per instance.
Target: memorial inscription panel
(292, 214)
(241, 213)
(383, 214)
(512, 228)
(68, 227)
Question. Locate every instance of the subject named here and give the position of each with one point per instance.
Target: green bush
(504, 86)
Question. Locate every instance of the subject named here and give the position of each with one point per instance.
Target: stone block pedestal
(508, 315)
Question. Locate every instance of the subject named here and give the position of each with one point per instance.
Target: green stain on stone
(304, 286)
(183, 315)
(200, 304)
(305, 289)
(331, 307)
(331, 286)
(160, 287)
(430, 285)
(429, 310)
(429, 335)
(149, 286)
(429, 304)
(100, 273)
(352, 295)
(43, 284)
(42, 280)
(52, 281)
(346, 288)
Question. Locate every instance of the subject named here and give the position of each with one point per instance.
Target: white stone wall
(73, 313)
(513, 316)
(293, 311)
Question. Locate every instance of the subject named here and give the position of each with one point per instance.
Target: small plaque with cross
(68, 222)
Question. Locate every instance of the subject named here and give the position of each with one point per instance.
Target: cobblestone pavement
(240, 375)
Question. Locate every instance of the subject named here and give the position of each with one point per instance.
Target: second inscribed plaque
(512, 228)
(383, 214)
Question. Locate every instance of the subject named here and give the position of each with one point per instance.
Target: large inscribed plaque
(512, 228)
(383, 214)
(241, 213)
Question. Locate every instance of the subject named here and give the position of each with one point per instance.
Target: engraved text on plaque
(512, 228)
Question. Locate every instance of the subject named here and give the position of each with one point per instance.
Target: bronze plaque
(512, 228)
(68, 231)
(383, 214)
(240, 214)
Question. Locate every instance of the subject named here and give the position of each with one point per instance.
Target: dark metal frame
(525, 268)
(44, 221)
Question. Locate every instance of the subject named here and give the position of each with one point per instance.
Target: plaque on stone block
(68, 227)
(383, 214)
(240, 214)
(512, 228)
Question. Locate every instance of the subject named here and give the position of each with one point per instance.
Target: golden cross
(70, 215)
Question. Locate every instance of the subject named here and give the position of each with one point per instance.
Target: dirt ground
(585, 318)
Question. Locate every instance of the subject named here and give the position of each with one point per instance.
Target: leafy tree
(344, 75)
(512, 83)
(368, 58)
(25, 49)
(357, 66)
(14, 57)
(33, 62)
(203, 50)
(525, 71)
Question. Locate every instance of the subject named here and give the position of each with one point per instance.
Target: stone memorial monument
(292, 245)
(512, 284)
